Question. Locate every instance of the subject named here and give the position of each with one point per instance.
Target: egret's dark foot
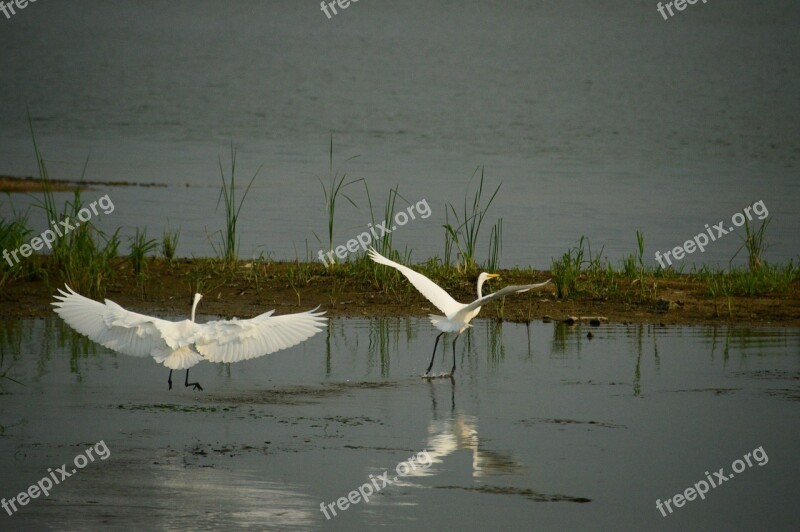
(443, 375)
(169, 379)
(195, 384)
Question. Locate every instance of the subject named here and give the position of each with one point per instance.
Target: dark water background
(599, 118)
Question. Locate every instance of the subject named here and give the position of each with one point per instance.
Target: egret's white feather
(235, 340)
(456, 315)
(181, 358)
(182, 344)
(505, 291)
(114, 327)
(432, 291)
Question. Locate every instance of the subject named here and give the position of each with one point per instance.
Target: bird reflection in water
(459, 431)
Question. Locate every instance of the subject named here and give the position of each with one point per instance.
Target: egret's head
(482, 278)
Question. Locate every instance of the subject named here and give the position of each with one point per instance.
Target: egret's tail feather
(445, 325)
(182, 358)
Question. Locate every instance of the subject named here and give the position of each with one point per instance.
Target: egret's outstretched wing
(513, 289)
(235, 340)
(113, 327)
(432, 291)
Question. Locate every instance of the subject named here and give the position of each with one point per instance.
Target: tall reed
(495, 246)
(83, 255)
(169, 243)
(14, 232)
(335, 188)
(755, 244)
(464, 235)
(140, 247)
(229, 247)
(387, 279)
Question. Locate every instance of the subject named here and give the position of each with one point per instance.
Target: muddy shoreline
(16, 184)
(169, 286)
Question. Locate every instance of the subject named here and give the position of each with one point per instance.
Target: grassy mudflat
(151, 279)
(13, 184)
(245, 289)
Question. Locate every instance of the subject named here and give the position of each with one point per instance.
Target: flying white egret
(456, 315)
(182, 344)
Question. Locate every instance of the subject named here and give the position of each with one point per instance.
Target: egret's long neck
(194, 307)
(480, 287)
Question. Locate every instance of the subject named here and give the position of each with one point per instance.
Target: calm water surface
(598, 118)
(541, 428)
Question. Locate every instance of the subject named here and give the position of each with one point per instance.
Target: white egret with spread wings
(183, 344)
(456, 315)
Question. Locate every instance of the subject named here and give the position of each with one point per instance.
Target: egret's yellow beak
(494, 276)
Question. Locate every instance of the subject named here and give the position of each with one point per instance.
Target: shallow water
(540, 428)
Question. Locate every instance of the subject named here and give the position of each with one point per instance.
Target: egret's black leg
(169, 379)
(195, 384)
(434, 353)
(454, 356)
